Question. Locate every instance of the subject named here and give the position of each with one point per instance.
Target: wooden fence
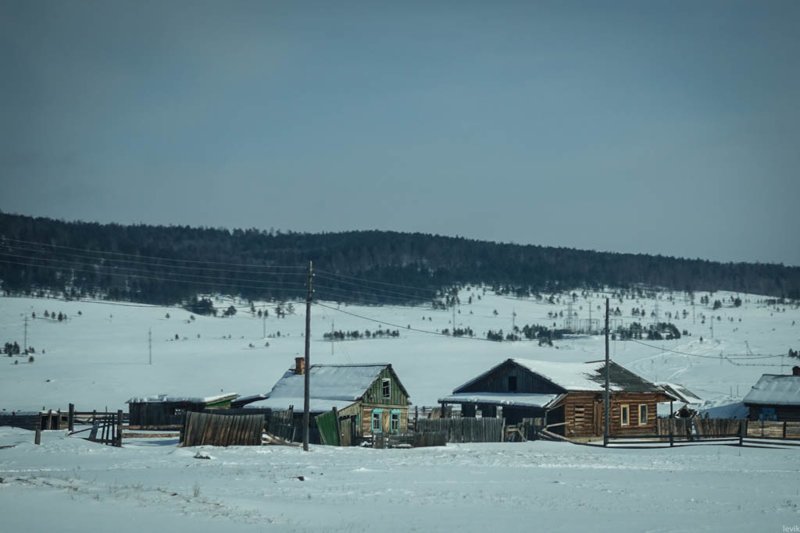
(106, 428)
(222, 430)
(773, 430)
(464, 429)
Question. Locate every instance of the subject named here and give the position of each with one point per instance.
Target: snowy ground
(67, 484)
(99, 357)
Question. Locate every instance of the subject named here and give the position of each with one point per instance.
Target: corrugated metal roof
(774, 389)
(510, 398)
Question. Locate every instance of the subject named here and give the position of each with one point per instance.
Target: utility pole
(606, 398)
(307, 371)
(150, 344)
(25, 338)
(332, 339)
(264, 327)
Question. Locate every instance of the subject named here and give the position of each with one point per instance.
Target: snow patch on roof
(165, 398)
(570, 376)
(316, 405)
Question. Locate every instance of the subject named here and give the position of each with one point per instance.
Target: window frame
(394, 421)
(512, 383)
(386, 388)
(624, 415)
(377, 415)
(643, 420)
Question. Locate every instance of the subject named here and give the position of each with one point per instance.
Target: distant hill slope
(170, 264)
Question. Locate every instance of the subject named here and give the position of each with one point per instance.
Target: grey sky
(647, 127)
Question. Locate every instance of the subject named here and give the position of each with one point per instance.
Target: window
(394, 427)
(624, 415)
(512, 383)
(642, 414)
(377, 416)
(386, 385)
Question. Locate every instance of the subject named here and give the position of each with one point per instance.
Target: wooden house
(165, 411)
(775, 397)
(347, 402)
(568, 397)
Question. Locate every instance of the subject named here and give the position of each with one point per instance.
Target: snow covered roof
(331, 385)
(498, 398)
(681, 393)
(579, 377)
(316, 405)
(773, 389)
(165, 398)
(334, 382)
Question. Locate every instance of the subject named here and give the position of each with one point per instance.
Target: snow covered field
(99, 357)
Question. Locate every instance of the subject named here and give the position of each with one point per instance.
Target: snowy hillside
(100, 355)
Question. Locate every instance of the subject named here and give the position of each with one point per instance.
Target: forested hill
(160, 264)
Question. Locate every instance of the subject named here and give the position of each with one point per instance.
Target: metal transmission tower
(568, 323)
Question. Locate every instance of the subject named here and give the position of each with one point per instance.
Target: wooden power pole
(307, 370)
(606, 395)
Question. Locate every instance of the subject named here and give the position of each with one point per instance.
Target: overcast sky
(666, 127)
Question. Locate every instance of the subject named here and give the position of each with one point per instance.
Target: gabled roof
(579, 377)
(773, 389)
(681, 393)
(331, 386)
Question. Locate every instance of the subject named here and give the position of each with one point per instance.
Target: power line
(175, 278)
(407, 328)
(364, 280)
(121, 254)
(715, 357)
(139, 261)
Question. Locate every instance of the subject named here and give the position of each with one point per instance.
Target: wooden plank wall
(464, 429)
(220, 430)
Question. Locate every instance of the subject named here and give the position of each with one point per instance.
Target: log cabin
(368, 399)
(567, 396)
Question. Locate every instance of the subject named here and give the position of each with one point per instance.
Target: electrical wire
(121, 254)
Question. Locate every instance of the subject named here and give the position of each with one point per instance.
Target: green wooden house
(348, 402)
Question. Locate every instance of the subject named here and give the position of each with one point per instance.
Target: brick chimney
(300, 365)
(796, 370)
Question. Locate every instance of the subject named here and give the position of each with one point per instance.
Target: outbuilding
(164, 411)
(775, 397)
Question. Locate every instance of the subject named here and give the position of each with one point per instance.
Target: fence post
(671, 431)
(784, 429)
(37, 439)
(119, 428)
(71, 418)
(742, 431)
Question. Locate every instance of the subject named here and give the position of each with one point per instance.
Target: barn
(567, 397)
(775, 397)
(347, 402)
(164, 411)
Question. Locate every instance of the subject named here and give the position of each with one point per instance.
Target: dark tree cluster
(366, 334)
(174, 264)
(653, 332)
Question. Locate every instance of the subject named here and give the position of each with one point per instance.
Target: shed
(367, 398)
(775, 397)
(162, 411)
(568, 396)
